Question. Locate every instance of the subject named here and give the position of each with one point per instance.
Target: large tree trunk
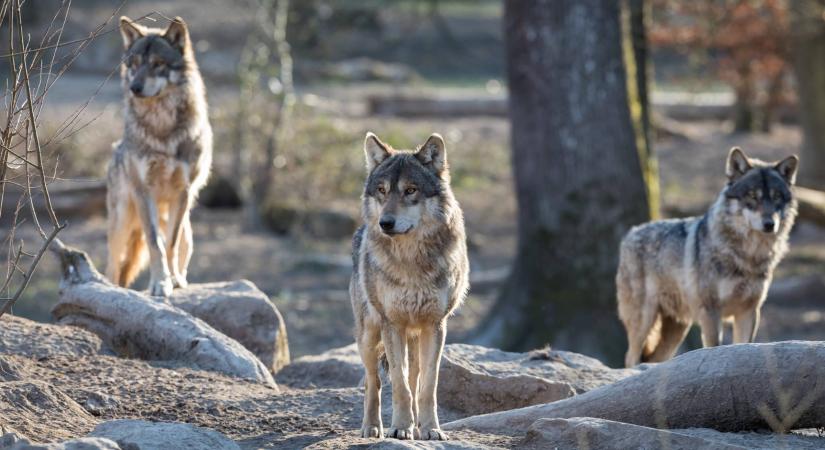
(808, 47)
(743, 387)
(578, 177)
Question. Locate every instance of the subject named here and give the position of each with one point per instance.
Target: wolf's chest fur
(411, 280)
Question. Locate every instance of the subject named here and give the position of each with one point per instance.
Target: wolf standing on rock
(410, 273)
(163, 159)
(710, 268)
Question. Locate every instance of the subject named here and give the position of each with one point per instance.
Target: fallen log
(137, 326)
(778, 386)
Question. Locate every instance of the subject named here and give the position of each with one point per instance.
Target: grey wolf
(161, 162)
(707, 269)
(410, 272)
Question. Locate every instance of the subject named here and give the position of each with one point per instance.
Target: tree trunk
(808, 47)
(578, 177)
(639, 71)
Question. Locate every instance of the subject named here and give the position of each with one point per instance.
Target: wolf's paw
(179, 281)
(400, 433)
(372, 431)
(162, 288)
(433, 434)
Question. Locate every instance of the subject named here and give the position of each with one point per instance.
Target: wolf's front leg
(745, 326)
(711, 323)
(160, 281)
(431, 342)
(368, 347)
(178, 222)
(395, 345)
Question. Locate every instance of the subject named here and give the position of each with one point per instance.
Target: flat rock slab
(241, 311)
(144, 435)
(35, 408)
(586, 432)
(37, 340)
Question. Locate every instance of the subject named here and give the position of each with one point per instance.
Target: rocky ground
(60, 383)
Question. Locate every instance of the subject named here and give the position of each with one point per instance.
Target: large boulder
(241, 311)
(144, 435)
(39, 340)
(501, 380)
(586, 432)
(35, 408)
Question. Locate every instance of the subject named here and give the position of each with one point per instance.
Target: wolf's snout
(136, 87)
(769, 226)
(387, 223)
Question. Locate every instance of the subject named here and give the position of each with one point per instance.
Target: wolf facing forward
(163, 159)
(410, 273)
(707, 269)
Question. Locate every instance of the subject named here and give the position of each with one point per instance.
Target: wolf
(410, 273)
(161, 162)
(707, 269)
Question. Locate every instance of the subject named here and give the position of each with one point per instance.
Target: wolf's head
(760, 192)
(154, 59)
(404, 189)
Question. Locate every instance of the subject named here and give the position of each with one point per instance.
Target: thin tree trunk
(578, 176)
(808, 47)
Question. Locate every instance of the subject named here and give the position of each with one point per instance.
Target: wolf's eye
(410, 191)
(382, 190)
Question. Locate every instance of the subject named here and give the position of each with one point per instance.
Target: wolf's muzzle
(769, 226)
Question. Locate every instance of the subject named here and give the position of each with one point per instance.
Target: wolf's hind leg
(745, 326)
(638, 332)
(432, 345)
(186, 247)
(368, 347)
(672, 334)
(395, 345)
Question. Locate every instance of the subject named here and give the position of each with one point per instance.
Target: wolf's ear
(375, 151)
(738, 164)
(130, 31)
(433, 154)
(787, 168)
(177, 34)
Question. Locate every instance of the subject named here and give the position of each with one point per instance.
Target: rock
(241, 311)
(35, 408)
(98, 403)
(318, 223)
(336, 368)
(39, 340)
(145, 435)
(137, 326)
(503, 380)
(85, 443)
(586, 432)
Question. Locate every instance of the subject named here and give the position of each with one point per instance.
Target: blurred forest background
(645, 97)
